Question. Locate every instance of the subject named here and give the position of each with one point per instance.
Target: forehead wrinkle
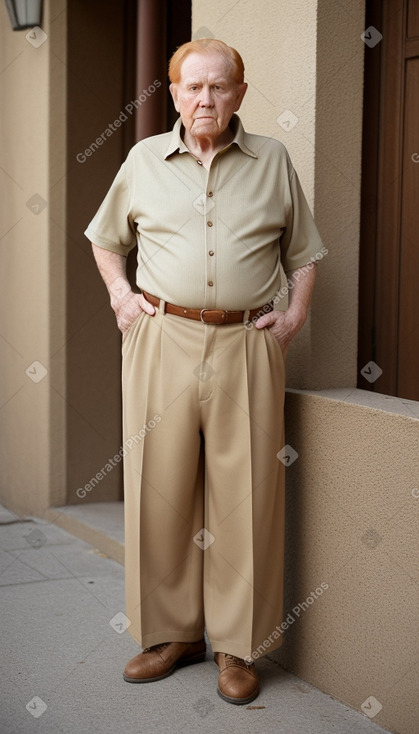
(203, 67)
(199, 79)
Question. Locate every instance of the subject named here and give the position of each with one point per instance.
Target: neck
(206, 148)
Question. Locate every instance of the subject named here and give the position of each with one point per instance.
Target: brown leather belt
(216, 316)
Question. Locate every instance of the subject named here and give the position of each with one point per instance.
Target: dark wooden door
(389, 262)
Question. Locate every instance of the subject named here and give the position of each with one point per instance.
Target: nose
(205, 98)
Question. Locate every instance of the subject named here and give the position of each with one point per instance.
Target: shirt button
(209, 224)
(210, 282)
(210, 193)
(211, 252)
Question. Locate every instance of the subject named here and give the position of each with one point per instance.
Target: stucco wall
(54, 307)
(31, 294)
(337, 191)
(352, 518)
(307, 57)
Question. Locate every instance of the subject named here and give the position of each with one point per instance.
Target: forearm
(301, 285)
(284, 325)
(112, 268)
(126, 304)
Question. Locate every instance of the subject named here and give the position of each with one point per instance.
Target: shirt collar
(176, 143)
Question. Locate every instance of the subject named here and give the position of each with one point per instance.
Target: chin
(205, 125)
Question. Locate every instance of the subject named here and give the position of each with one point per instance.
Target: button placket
(210, 249)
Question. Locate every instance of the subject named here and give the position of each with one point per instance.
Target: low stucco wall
(352, 518)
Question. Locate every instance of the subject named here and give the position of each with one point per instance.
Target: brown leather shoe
(238, 681)
(159, 661)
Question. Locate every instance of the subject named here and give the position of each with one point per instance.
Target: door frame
(378, 320)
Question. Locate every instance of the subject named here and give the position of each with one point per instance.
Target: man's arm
(284, 325)
(126, 304)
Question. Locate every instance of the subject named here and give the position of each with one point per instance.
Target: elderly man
(214, 212)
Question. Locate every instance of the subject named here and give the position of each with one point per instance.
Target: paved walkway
(65, 645)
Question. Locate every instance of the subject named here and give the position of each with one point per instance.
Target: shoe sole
(179, 664)
(239, 701)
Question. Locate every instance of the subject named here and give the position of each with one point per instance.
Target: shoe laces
(157, 648)
(233, 660)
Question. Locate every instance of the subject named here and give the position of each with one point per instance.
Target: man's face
(206, 95)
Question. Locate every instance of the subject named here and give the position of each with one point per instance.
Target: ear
(241, 91)
(174, 92)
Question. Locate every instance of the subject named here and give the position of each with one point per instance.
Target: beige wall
(31, 288)
(59, 432)
(351, 514)
(307, 57)
(337, 192)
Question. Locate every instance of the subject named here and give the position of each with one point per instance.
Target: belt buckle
(223, 316)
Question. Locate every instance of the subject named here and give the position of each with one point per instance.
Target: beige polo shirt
(213, 239)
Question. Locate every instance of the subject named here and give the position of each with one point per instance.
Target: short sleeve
(112, 227)
(300, 243)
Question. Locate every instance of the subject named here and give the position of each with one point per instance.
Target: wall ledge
(366, 399)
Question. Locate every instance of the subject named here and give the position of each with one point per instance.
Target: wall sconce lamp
(24, 13)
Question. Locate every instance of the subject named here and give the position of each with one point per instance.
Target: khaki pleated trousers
(204, 489)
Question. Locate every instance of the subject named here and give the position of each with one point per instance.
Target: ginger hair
(202, 46)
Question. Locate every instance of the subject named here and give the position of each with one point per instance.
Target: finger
(146, 306)
(266, 320)
(124, 323)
